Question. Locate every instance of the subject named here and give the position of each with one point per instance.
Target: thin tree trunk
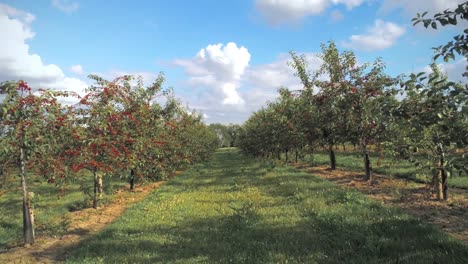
(368, 167)
(441, 180)
(444, 185)
(439, 186)
(332, 158)
(5, 178)
(28, 219)
(97, 188)
(297, 154)
(344, 147)
(287, 156)
(132, 179)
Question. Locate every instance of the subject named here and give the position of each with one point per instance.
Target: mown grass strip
(236, 210)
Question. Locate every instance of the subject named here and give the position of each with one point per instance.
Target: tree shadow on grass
(244, 238)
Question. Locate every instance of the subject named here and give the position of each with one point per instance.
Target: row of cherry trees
(116, 128)
(356, 103)
(345, 101)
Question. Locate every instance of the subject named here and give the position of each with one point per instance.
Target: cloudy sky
(223, 58)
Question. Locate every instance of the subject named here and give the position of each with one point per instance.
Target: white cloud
(284, 11)
(411, 8)
(24, 17)
(254, 85)
(381, 36)
(220, 67)
(16, 61)
(265, 79)
(66, 6)
(336, 16)
(453, 70)
(77, 69)
(276, 74)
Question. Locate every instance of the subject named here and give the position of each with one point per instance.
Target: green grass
(50, 208)
(399, 168)
(235, 210)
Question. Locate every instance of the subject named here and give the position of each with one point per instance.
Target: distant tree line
(227, 134)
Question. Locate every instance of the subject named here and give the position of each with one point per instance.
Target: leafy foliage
(116, 128)
(459, 44)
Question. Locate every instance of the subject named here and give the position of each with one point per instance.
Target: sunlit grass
(235, 210)
(51, 206)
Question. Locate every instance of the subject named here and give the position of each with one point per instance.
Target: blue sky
(223, 58)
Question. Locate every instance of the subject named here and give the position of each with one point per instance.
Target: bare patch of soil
(413, 198)
(83, 224)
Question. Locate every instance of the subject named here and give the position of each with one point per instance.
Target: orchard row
(425, 115)
(116, 127)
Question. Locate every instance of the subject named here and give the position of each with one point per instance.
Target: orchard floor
(412, 197)
(83, 224)
(234, 209)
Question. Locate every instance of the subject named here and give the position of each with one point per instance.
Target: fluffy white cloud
(453, 70)
(254, 85)
(220, 67)
(16, 62)
(77, 69)
(419, 6)
(66, 6)
(265, 79)
(381, 36)
(283, 11)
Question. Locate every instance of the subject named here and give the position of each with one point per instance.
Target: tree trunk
(287, 156)
(444, 185)
(441, 180)
(368, 167)
(438, 186)
(354, 145)
(344, 147)
(97, 188)
(28, 219)
(3, 174)
(297, 154)
(332, 158)
(132, 179)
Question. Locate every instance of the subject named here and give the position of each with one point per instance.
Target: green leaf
(452, 20)
(420, 74)
(443, 22)
(426, 22)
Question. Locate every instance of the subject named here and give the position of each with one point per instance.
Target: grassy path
(235, 210)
